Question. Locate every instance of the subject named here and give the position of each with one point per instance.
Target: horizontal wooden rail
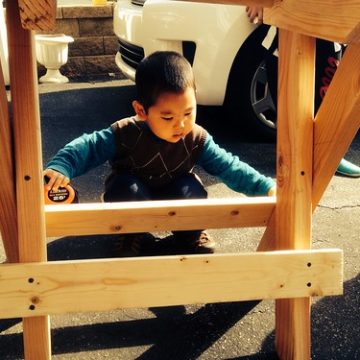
(127, 217)
(326, 19)
(34, 289)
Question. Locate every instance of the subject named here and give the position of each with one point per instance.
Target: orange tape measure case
(64, 195)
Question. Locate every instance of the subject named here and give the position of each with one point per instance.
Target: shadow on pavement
(175, 334)
(334, 326)
(172, 334)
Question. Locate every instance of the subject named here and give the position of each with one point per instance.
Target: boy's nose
(181, 123)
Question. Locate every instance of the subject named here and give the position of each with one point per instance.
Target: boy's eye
(167, 118)
(188, 113)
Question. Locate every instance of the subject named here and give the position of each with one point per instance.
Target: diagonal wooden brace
(337, 120)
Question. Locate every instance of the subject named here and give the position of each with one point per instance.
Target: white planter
(52, 52)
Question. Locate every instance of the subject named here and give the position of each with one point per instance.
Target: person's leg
(347, 168)
(126, 187)
(328, 56)
(189, 186)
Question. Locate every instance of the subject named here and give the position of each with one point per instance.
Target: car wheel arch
(239, 86)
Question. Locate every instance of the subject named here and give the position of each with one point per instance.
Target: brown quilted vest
(156, 162)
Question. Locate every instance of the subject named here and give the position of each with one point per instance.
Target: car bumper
(167, 25)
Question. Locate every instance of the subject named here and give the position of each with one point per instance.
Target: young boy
(153, 153)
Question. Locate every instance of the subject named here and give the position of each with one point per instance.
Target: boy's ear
(139, 110)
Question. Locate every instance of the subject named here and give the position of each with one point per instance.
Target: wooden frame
(51, 287)
(307, 155)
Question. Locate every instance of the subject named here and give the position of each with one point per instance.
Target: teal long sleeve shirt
(91, 150)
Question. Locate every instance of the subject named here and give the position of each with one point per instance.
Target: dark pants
(127, 187)
(327, 58)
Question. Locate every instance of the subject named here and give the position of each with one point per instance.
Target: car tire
(249, 101)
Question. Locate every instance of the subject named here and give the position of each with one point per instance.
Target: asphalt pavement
(237, 330)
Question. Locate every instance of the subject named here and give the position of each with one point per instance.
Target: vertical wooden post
(28, 155)
(8, 223)
(294, 180)
(335, 126)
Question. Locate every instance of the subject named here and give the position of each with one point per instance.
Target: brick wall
(93, 51)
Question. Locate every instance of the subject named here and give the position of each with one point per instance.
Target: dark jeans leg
(126, 187)
(327, 59)
(188, 186)
(129, 188)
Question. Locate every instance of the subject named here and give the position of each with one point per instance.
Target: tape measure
(63, 195)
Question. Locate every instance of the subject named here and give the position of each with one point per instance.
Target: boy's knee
(192, 187)
(125, 188)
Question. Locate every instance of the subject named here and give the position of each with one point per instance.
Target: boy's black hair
(160, 72)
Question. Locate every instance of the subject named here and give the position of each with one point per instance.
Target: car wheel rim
(261, 99)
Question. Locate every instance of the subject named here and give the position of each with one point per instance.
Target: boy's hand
(272, 191)
(56, 179)
(255, 14)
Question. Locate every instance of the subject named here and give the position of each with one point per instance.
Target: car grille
(138, 2)
(130, 53)
(189, 49)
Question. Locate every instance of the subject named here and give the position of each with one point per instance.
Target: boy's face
(173, 115)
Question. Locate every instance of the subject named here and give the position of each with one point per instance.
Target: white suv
(228, 54)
